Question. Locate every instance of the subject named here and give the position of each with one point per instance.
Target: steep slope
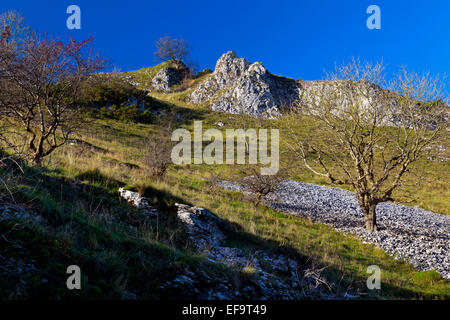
(162, 77)
(127, 253)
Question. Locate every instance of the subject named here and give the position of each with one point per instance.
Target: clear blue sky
(297, 38)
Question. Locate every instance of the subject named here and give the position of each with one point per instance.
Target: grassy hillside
(143, 77)
(125, 255)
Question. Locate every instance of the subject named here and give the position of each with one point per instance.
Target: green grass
(121, 253)
(78, 193)
(345, 255)
(144, 76)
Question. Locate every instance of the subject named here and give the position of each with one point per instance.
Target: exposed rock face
(201, 225)
(276, 276)
(168, 77)
(236, 86)
(228, 68)
(141, 203)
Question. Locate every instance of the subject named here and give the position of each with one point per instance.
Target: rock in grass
(138, 201)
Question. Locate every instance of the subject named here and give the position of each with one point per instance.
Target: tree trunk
(38, 154)
(37, 159)
(370, 219)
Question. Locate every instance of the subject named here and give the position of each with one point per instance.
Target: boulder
(138, 201)
(169, 76)
(201, 226)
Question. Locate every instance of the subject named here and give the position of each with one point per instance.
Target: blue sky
(298, 38)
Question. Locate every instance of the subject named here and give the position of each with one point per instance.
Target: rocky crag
(169, 77)
(239, 87)
(236, 86)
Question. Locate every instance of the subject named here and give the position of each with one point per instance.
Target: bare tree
(367, 132)
(159, 147)
(260, 186)
(40, 84)
(172, 49)
(13, 23)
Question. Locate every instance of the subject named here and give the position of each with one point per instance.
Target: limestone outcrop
(168, 77)
(238, 87)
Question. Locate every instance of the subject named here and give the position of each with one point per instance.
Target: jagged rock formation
(169, 76)
(236, 86)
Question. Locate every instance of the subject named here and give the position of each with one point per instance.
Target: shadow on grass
(237, 237)
(111, 258)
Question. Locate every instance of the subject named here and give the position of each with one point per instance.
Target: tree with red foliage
(40, 84)
(13, 28)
